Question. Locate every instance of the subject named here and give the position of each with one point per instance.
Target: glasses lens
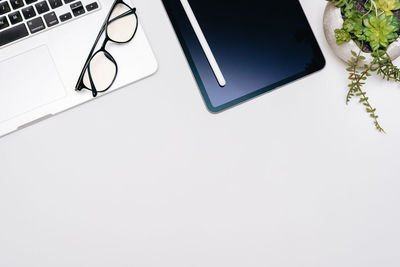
(122, 29)
(102, 71)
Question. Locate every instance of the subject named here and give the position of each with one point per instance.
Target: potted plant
(364, 33)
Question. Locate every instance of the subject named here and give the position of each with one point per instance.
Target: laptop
(43, 47)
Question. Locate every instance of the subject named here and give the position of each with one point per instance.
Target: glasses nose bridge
(104, 44)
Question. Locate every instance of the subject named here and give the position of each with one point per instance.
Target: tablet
(240, 49)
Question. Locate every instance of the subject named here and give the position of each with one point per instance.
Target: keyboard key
(68, 1)
(17, 3)
(13, 34)
(65, 17)
(15, 17)
(28, 2)
(77, 9)
(51, 19)
(55, 3)
(92, 6)
(36, 25)
(4, 8)
(42, 7)
(28, 12)
(3, 23)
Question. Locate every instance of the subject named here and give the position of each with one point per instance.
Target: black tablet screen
(258, 45)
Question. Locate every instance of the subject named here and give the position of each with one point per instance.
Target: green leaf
(380, 31)
(342, 36)
(388, 5)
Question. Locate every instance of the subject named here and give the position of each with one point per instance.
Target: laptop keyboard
(20, 19)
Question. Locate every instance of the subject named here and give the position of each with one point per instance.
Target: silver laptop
(43, 47)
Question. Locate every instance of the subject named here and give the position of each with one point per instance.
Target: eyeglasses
(101, 69)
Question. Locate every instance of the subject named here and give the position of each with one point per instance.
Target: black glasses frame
(80, 84)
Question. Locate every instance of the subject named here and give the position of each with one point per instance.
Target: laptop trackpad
(28, 81)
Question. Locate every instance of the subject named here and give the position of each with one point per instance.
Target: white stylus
(204, 44)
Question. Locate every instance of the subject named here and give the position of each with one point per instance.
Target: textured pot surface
(333, 20)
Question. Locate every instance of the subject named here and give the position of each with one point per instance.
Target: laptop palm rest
(28, 81)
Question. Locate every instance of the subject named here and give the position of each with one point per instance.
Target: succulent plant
(354, 25)
(387, 5)
(339, 3)
(376, 27)
(342, 36)
(380, 30)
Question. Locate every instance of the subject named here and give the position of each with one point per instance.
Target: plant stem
(356, 84)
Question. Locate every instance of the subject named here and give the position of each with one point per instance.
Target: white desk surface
(146, 176)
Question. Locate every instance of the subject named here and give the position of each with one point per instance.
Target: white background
(146, 176)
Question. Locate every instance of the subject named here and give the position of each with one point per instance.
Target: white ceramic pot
(333, 20)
